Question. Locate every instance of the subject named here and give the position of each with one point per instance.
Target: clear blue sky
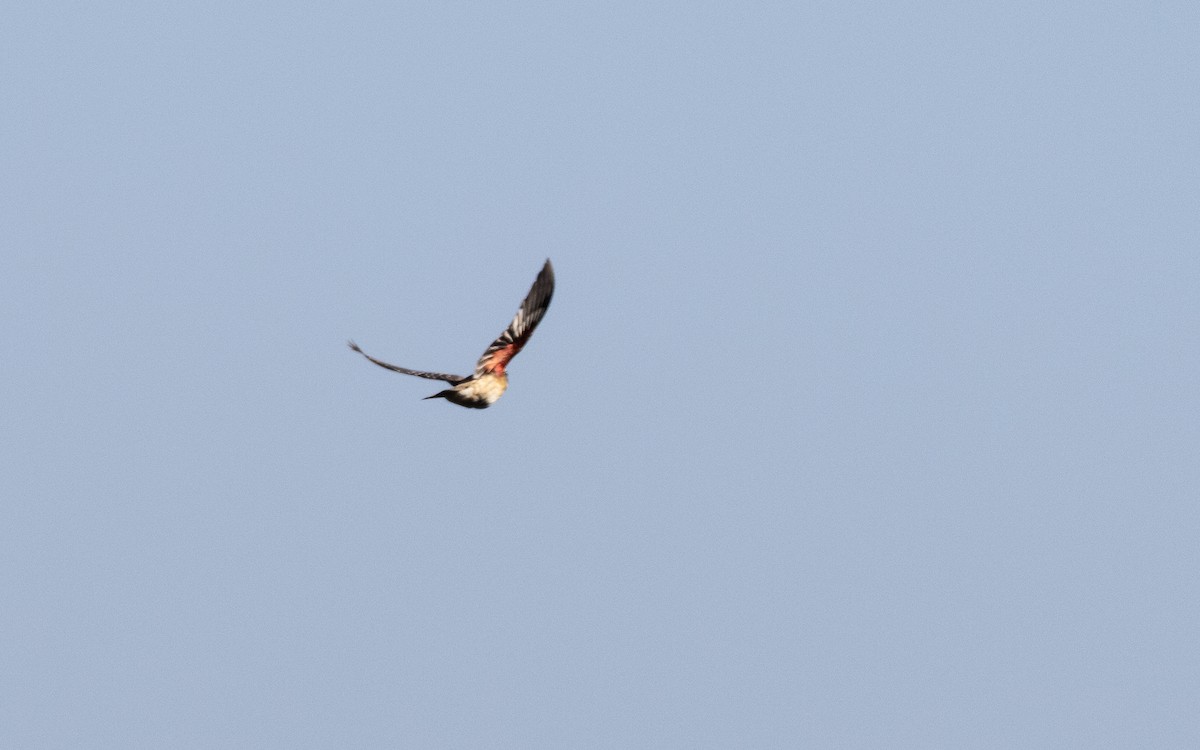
(865, 414)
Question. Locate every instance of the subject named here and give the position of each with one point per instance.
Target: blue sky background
(865, 414)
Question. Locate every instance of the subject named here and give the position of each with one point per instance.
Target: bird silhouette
(489, 381)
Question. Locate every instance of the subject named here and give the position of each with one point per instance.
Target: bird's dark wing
(452, 379)
(521, 328)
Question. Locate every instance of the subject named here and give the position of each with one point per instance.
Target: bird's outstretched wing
(452, 379)
(521, 328)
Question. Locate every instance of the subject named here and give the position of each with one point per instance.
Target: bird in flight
(481, 389)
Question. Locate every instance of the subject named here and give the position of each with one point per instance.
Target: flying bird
(489, 381)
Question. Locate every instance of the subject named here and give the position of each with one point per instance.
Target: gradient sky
(865, 414)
